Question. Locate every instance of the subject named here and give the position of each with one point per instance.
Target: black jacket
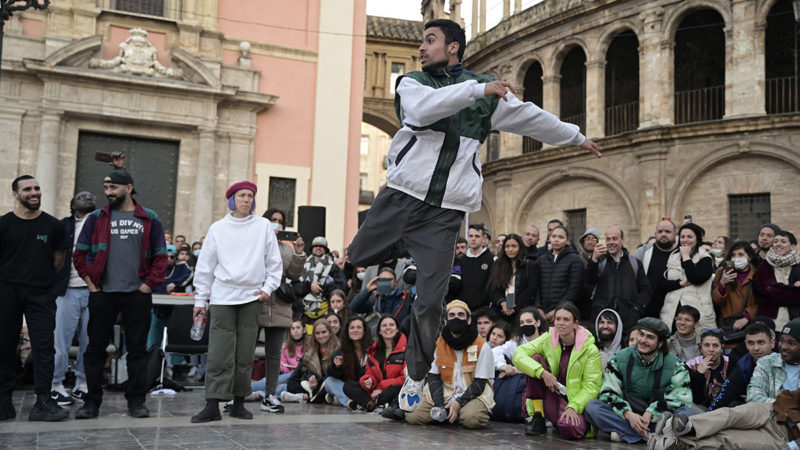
(619, 287)
(523, 295)
(557, 279)
(474, 275)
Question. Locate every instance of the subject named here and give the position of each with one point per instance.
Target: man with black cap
(72, 312)
(32, 246)
(122, 256)
(640, 383)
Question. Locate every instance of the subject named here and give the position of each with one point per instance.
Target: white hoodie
(239, 257)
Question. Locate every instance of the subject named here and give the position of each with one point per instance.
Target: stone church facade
(694, 103)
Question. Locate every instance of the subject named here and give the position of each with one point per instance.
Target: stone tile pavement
(300, 427)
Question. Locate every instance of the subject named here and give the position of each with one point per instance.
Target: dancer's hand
(499, 88)
(588, 144)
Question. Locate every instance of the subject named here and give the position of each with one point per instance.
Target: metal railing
(699, 105)
(782, 95)
(622, 118)
(530, 145)
(577, 119)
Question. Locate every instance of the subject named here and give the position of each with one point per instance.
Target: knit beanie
(457, 304)
(792, 329)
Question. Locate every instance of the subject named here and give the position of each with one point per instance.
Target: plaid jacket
(767, 380)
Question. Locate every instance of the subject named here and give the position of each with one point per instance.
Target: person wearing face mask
(719, 248)
(732, 288)
(693, 268)
(777, 280)
(459, 381)
(276, 316)
(382, 297)
(564, 372)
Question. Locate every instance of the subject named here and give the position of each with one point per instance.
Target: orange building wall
(278, 22)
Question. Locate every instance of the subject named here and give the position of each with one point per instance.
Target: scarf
(782, 264)
(460, 342)
(317, 271)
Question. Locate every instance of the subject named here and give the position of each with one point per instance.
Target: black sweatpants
(428, 233)
(354, 391)
(103, 310)
(39, 307)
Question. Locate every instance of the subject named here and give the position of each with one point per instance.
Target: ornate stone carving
(137, 56)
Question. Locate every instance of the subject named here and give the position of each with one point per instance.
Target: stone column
(475, 18)
(655, 72)
(483, 15)
(551, 93)
(47, 159)
(506, 8)
(503, 197)
(517, 6)
(744, 63)
(240, 164)
(595, 98)
(202, 216)
(9, 150)
(651, 166)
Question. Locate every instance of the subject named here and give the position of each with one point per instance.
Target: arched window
(780, 58)
(700, 67)
(532, 93)
(622, 84)
(573, 88)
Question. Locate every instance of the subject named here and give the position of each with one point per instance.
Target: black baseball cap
(120, 176)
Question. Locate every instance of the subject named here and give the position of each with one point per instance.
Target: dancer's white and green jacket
(445, 118)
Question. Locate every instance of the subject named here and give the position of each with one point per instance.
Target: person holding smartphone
(732, 289)
(382, 297)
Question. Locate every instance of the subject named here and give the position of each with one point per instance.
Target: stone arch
(571, 173)
(381, 120)
(676, 15)
(601, 47)
(521, 67)
(553, 67)
(76, 53)
(193, 69)
(762, 10)
(724, 154)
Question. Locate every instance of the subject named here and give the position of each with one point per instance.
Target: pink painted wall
(279, 22)
(32, 27)
(356, 110)
(118, 35)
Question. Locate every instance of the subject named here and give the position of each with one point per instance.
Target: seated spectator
(558, 275)
(745, 427)
(484, 319)
(315, 285)
(458, 385)
(778, 371)
(564, 372)
(530, 325)
(349, 362)
(759, 339)
(499, 334)
(338, 304)
(382, 297)
(609, 334)
(695, 269)
(632, 338)
(640, 384)
(707, 372)
(741, 349)
(384, 373)
(732, 289)
(507, 286)
(335, 322)
(685, 343)
(618, 278)
(305, 384)
(777, 280)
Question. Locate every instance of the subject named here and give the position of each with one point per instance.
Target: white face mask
(740, 263)
(716, 251)
(276, 226)
(360, 276)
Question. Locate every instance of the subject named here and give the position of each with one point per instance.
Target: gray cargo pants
(397, 223)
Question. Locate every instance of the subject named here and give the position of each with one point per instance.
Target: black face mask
(457, 326)
(528, 330)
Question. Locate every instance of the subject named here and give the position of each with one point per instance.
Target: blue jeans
(259, 386)
(335, 387)
(72, 314)
(601, 415)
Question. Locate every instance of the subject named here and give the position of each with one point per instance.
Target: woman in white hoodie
(239, 267)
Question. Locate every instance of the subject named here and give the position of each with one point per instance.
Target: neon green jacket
(584, 372)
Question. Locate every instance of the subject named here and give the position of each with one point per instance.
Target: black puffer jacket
(557, 279)
(619, 287)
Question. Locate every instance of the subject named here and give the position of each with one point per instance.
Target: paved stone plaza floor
(301, 426)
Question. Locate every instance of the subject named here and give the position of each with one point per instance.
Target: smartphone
(687, 218)
(103, 157)
(287, 236)
(727, 265)
(601, 240)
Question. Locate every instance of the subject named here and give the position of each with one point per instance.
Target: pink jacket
(289, 362)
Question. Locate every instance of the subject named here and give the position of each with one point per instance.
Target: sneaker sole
(272, 409)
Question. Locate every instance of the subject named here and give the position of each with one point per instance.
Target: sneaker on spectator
(332, 400)
(615, 437)
(681, 424)
(288, 397)
(61, 397)
(410, 395)
(272, 404)
(47, 410)
(253, 397)
(536, 426)
(664, 436)
(79, 393)
(193, 373)
(393, 413)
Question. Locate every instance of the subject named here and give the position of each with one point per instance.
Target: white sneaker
(288, 397)
(272, 404)
(410, 395)
(615, 437)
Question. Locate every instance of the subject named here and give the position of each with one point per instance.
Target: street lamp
(8, 7)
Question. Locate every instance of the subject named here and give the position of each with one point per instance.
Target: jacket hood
(616, 344)
(582, 338)
(593, 231)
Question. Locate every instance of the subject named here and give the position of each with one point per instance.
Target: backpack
(509, 393)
